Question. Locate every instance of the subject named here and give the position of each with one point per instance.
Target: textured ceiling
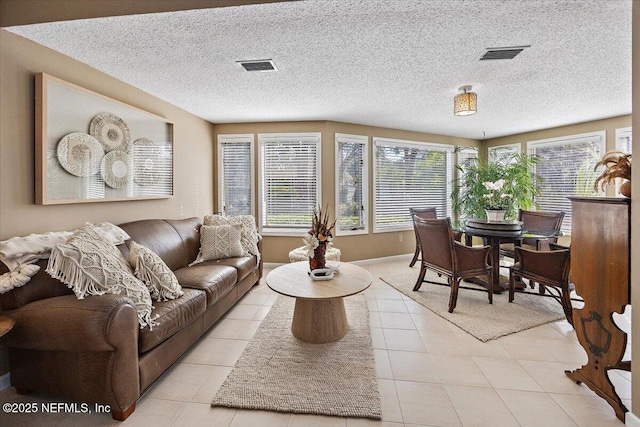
(395, 64)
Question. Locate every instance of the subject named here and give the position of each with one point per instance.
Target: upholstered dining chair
(550, 269)
(536, 222)
(446, 256)
(420, 213)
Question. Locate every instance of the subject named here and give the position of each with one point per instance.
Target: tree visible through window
(351, 184)
(410, 174)
(289, 180)
(566, 169)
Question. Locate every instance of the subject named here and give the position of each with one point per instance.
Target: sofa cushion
(210, 276)
(244, 265)
(219, 242)
(149, 267)
(171, 316)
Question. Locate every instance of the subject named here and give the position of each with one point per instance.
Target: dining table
(494, 233)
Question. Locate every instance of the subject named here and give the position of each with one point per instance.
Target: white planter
(495, 215)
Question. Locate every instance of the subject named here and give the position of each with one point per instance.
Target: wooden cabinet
(600, 262)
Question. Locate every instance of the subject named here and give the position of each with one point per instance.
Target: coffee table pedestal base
(319, 321)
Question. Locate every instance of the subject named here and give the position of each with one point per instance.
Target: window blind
(351, 183)
(566, 169)
(235, 174)
(410, 174)
(290, 180)
(623, 140)
(503, 151)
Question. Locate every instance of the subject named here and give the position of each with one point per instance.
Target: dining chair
(550, 269)
(443, 254)
(544, 223)
(420, 213)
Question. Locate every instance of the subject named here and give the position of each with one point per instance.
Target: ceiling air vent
(501, 52)
(261, 65)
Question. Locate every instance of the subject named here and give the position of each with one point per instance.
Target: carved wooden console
(600, 256)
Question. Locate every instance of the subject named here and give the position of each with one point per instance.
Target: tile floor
(430, 373)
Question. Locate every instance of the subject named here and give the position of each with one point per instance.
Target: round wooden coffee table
(319, 315)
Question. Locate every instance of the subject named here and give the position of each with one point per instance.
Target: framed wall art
(91, 148)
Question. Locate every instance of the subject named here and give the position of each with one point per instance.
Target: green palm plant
(472, 189)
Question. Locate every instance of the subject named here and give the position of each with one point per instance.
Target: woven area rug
(278, 372)
(473, 313)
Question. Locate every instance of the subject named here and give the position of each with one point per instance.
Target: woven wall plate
(80, 154)
(111, 131)
(146, 162)
(116, 169)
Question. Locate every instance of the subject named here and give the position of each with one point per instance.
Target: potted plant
(616, 165)
(506, 184)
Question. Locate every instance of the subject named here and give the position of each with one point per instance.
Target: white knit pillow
(217, 242)
(90, 264)
(249, 237)
(152, 270)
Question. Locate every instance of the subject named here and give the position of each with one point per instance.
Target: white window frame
(412, 144)
(621, 135)
(364, 141)
(272, 137)
(602, 140)
(515, 148)
(235, 139)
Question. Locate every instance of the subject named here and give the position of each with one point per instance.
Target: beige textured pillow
(249, 237)
(152, 270)
(90, 264)
(217, 242)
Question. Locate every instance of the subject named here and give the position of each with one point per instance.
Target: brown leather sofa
(93, 350)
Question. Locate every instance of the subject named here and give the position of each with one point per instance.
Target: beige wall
(371, 245)
(635, 219)
(193, 147)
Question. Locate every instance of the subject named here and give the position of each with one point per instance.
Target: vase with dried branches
(319, 238)
(616, 165)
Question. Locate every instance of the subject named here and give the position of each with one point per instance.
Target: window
(502, 151)
(623, 140)
(235, 174)
(352, 177)
(465, 154)
(409, 174)
(566, 169)
(289, 181)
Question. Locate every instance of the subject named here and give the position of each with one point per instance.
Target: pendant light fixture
(466, 103)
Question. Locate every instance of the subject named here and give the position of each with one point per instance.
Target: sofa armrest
(94, 324)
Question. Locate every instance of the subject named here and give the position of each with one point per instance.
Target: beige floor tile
(564, 350)
(204, 415)
(247, 418)
(262, 312)
(533, 409)
(403, 340)
(389, 401)
(430, 322)
(506, 374)
(242, 312)
(523, 348)
(254, 298)
(410, 366)
(443, 343)
(383, 365)
(248, 332)
(212, 384)
(374, 319)
(458, 370)
(415, 308)
(396, 321)
(480, 407)
(372, 304)
(234, 353)
(387, 293)
(392, 305)
(476, 347)
(621, 384)
(587, 411)
(155, 413)
(543, 331)
(551, 377)
(377, 338)
(365, 422)
(181, 382)
(208, 351)
(426, 404)
(227, 328)
(304, 420)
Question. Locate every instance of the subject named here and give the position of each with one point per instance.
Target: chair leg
(512, 286)
(423, 271)
(490, 289)
(453, 297)
(415, 256)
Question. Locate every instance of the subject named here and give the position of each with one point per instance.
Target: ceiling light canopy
(466, 103)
